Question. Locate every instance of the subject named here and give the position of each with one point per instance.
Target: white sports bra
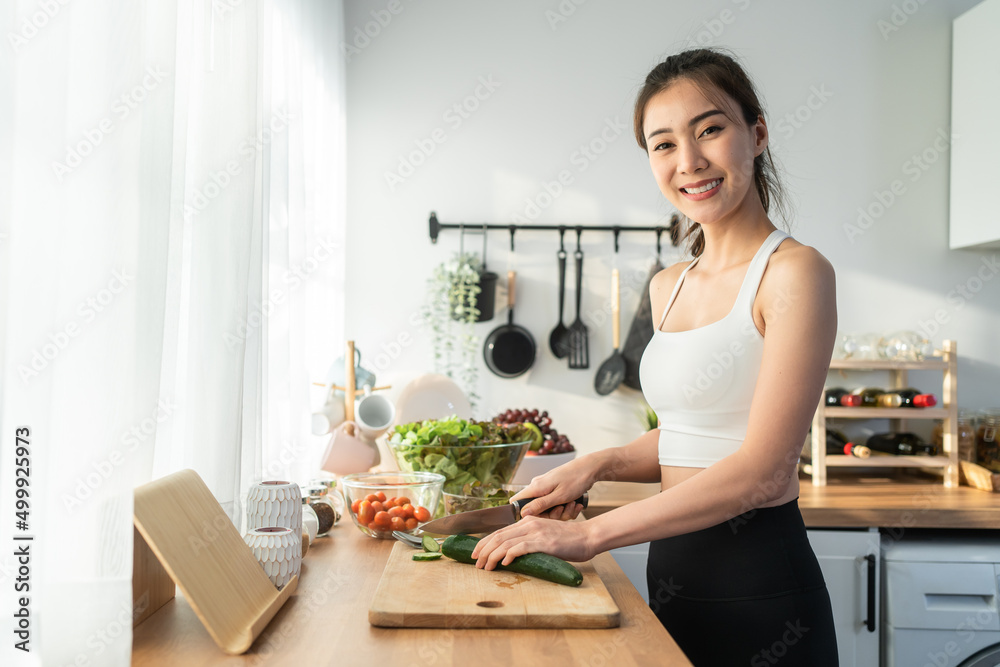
(700, 382)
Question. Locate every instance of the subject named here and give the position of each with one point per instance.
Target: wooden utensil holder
(350, 392)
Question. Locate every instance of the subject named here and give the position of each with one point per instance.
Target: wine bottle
(835, 441)
(833, 396)
(904, 444)
(868, 395)
(838, 443)
(911, 398)
(863, 452)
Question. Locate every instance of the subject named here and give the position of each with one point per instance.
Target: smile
(704, 191)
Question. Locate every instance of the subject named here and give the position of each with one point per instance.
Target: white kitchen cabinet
(850, 563)
(975, 134)
(632, 561)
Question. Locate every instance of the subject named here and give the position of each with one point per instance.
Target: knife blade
(485, 520)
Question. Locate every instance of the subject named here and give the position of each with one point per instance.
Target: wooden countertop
(325, 622)
(851, 501)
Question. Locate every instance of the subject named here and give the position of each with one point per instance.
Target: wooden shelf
(842, 461)
(898, 372)
(881, 365)
(888, 413)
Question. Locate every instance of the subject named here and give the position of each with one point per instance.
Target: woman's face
(693, 145)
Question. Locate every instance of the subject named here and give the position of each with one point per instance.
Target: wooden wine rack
(946, 360)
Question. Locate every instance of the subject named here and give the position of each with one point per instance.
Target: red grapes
(554, 442)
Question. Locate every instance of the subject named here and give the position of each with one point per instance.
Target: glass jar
(987, 444)
(966, 436)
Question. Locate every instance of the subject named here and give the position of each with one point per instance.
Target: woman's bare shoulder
(799, 270)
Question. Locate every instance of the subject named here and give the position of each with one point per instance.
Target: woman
(744, 335)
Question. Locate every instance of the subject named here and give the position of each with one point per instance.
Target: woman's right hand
(559, 486)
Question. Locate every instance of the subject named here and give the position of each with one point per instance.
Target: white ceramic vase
(278, 550)
(275, 503)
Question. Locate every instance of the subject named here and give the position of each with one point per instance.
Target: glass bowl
(381, 502)
(491, 465)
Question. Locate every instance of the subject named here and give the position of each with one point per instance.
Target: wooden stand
(196, 544)
(948, 363)
(350, 392)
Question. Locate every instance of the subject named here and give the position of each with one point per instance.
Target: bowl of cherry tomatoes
(381, 502)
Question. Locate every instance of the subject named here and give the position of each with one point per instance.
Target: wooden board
(447, 594)
(201, 550)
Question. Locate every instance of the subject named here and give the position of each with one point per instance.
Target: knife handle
(518, 504)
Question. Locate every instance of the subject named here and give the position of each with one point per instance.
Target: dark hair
(714, 72)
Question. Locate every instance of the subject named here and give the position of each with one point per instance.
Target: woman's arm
(798, 299)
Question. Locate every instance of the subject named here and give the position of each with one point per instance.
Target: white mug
(329, 417)
(374, 413)
(346, 454)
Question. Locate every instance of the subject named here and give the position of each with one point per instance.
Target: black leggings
(745, 592)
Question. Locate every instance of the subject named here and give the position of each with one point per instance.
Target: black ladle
(559, 338)
(612, 371)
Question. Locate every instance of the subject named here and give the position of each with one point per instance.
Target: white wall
(560, 83)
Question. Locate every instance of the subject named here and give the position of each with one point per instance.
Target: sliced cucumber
(430, 544)
(543, 566)
(425, 555)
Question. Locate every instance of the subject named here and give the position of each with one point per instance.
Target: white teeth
(704, 188)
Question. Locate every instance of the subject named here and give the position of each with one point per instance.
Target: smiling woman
(756, 318)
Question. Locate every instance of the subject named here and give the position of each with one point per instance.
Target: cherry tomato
(421, 514)
(397, 512)
(389, 504)
(402, 500)
(382, 520)
(365, 513)
(371, 497)
(378, 506)
(411, 523)
(408, 510)
(381, 496)
(372, 526)
(397, 523)
(354, 505)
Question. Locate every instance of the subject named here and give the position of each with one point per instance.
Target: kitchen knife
(483, 521)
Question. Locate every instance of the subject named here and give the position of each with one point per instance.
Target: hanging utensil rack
(672, 229)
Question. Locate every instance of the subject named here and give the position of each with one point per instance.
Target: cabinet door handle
(870, 621)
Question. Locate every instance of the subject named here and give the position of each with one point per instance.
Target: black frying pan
(509, 350)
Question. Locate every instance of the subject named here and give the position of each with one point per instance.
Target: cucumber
(426, 555)
(543, 566)
(430, 544)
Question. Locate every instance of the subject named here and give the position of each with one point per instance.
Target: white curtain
(171, 233)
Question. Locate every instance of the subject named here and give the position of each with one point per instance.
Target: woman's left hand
(569, 540)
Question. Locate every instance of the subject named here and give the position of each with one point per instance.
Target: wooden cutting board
(447, 594)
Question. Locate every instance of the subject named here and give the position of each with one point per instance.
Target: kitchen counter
(325, 622)
(856, 502)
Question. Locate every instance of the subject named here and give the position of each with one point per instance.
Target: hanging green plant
(450, 311)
